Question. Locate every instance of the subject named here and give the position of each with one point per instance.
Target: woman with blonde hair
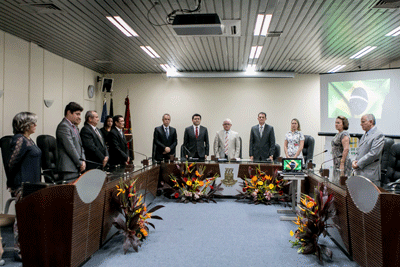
(294, 141)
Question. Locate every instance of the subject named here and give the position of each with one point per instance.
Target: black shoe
(17, 256)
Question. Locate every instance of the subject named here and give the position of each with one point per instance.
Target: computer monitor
(292, 165)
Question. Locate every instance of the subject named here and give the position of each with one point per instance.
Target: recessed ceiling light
(395, 32)
(363, 52)
(122, 26)
(150, 51)
(262, 24)
(337, 68)
(255, 51)
(102, 61)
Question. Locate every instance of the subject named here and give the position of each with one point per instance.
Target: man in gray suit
(69, 145)
(226, 142)
(369, 151)
(262, 140)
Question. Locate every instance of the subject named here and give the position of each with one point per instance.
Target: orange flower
(310, 204)
(268, 177)
(198, 174)
(254, 179)
(144, 232)
(191, 165)
(201, 183)
(130, 195)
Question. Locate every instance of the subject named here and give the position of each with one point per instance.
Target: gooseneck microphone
(140, 154)
(325, 172)
(145, 162)
(326, 150)
(338, 157)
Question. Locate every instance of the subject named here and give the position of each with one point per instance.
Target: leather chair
(277, 152)
(385, 158)
(48, 145)
(308, 149)
(5, 144)
(183, 153)
(240, 153)
(393, 167)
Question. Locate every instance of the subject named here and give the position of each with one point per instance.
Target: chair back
(5, 144)
(48, 145)
(240, 153)
(393, 167)
(385, 153)
(277, 152)
(308, 149)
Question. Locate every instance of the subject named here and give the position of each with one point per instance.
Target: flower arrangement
(312, 222)
(261, 188)
(135, 223)
(192, 186)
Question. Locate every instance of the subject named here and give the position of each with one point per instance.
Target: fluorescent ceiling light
(167, 67)
(363, 52)
(337, 68)
(122, 26)
(150, 51)
(255, 51)
(395, 32)
(251, 69)
(262, 24)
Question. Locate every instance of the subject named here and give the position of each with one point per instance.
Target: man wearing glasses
(226, 142)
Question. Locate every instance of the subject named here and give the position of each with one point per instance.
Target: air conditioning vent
(45, 8)
(273, 34)
(388, 4)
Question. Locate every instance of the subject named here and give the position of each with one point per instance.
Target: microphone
(326, 150)
(325, 172)
(187, 150)
(93, 162)
(145, 162)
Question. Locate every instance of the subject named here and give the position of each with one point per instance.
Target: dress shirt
(198, 129)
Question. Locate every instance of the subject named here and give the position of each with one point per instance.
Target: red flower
(244, 189)
(185, 180)
(212, 187)
(280, 193)
(176, 195)
(193, 179)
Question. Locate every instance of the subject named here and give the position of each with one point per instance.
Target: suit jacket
(233, 145)
(261, 148)
(69, 148)
(95, 148)
(368, 155)
(200, 144)
(160, 141)
(118, 148)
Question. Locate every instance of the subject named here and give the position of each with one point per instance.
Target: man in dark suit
(164, 140)
(262, 140)
(71, 154)
(118, 147)
(195, 140)
(93, 142)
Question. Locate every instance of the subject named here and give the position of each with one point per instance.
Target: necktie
(226, 143)
(167, 132)
(261, 130)
(197, 132)
(99, 135)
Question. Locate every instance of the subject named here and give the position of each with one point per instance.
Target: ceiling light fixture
(167, 67)
(150, 51)
(251, 69)
(255, 51)
(363, 52)
(262, 24)
(337, 68)
(395, 32)
(122, 25)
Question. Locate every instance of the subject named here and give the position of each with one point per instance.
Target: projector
(197, 24)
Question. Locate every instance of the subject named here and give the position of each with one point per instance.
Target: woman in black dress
(107, 128)
(24, 164)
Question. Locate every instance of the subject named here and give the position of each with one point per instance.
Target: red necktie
(197, 133)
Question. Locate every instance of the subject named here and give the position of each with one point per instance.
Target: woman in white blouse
(294, 141)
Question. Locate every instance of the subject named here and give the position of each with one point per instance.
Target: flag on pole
(104, 111)
(128, 126)
(111, 108)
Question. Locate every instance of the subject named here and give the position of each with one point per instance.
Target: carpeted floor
(225, 234)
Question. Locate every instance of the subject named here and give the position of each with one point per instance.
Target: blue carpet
(225, 234)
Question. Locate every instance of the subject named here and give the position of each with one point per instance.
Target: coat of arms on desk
(312, 221)
(192, 184)
(135, 223)
(261, 188)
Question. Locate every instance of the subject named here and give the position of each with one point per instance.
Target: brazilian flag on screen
(352, 99)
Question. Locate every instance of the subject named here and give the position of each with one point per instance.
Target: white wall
(240, 99)
(28, 75)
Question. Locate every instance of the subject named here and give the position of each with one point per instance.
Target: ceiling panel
(316, 35)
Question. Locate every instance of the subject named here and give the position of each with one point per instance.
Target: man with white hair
(367, 162)
(226, 142)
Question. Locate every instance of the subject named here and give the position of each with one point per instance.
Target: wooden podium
(374, 217)
(61, 225)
